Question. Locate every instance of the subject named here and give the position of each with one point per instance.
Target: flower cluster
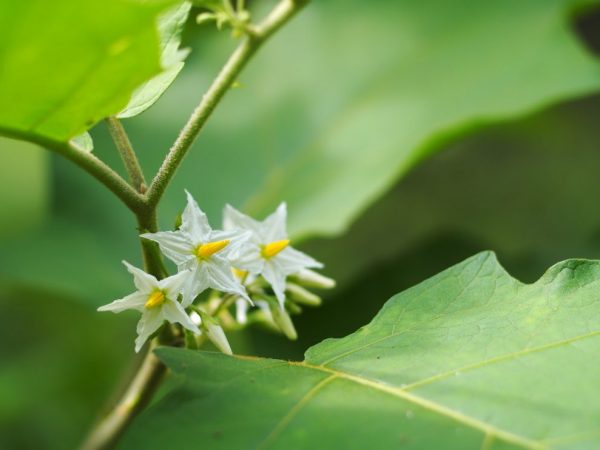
(249, 265)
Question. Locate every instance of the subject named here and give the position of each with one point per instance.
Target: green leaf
(170, 27)
(69, 65)
(469, 359)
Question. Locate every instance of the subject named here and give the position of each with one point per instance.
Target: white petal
(199, 283)
(193, 220)
(144, 282)
(233, 219)
(151, 321)
(174, 285)
(292, 261)
(273, 227)
(217, 336)
(136, 301)
(175, 245)
(175, 313)
(221, 278)
(237, 238)
(241, 311)
(276, 278)
(249, 258)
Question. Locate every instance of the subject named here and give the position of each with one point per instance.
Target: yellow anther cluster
(270, 250)
(155, 299)
(203, 251)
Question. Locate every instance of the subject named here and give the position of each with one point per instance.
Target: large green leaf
(468, 359)
(68, 64)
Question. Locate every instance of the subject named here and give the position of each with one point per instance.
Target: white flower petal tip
(217, 336)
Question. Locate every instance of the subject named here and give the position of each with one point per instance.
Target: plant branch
(136, 397)
(88, 162)
(147, 379)
(149, 374)
(132, 165)
(284, 10)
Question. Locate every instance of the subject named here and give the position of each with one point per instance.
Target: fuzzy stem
(229, 73)
(150, 374)
(132, 165)
(91, 164)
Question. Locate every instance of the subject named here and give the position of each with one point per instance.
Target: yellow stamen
(241, 274)
(155, 299)
(270, 250)
(210, 248)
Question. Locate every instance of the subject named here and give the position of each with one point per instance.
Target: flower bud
(215, 333)
(310, 278)
(302, 296)
(283, 321)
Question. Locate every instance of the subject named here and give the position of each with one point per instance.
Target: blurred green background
(509, 164)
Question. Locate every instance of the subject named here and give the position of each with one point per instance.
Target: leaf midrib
(490, 431)
(487, 429)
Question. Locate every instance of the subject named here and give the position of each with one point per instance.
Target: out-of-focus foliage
(60, 366)
(470, 358)
(69, 64)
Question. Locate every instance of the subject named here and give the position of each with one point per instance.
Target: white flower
(213, 330)
(267, 252)
(156, 300)
(202, 250)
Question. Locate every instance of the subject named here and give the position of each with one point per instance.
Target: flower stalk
(132, 165)
(151, 371)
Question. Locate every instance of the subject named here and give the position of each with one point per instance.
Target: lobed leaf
(469, 359)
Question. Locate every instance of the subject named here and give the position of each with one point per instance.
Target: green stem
(229, 73)
(91, 164)
(138, 394)
(153, 262)
(132, 165)
(147, 379)
(148, 376)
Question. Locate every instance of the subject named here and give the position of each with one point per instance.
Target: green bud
(302, 296)
(310, 278)
(204, 17)
(284, 321)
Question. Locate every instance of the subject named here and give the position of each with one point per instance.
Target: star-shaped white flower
(267, 252)
(203, 251)
(156, 300)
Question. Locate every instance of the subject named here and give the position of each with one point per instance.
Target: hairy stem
(228, 74)
(153, 262)
(91, 164)
(147, 379)
(132, 165)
